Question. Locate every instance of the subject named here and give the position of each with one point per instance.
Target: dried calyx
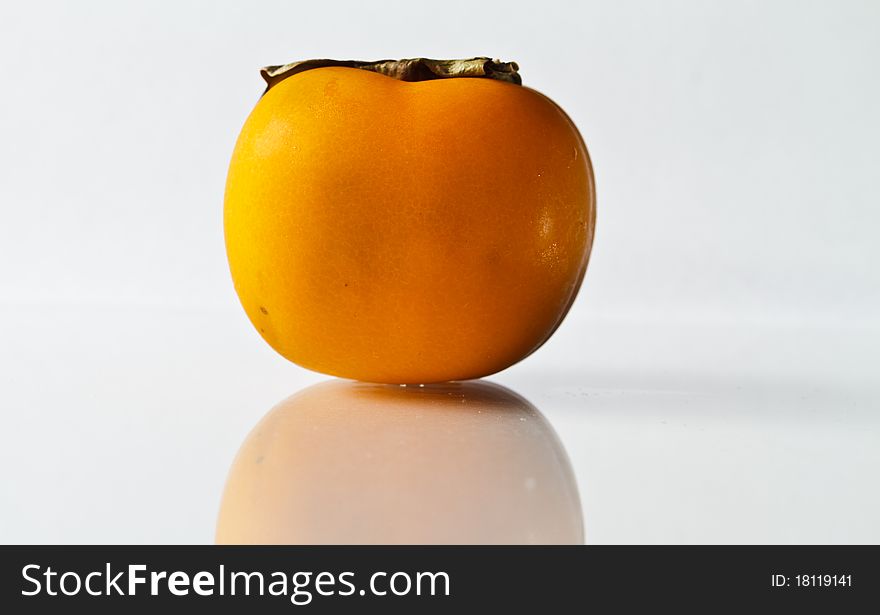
(414, 69)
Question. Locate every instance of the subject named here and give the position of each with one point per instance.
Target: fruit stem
(414, 69)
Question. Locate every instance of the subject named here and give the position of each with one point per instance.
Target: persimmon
(407, 222)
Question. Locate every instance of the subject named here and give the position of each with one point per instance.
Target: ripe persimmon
(407, 228)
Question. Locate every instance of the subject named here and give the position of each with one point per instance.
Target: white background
(716, 381)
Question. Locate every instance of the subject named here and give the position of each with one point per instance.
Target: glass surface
(122, 424)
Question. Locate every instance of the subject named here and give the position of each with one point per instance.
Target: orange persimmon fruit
(407, 231)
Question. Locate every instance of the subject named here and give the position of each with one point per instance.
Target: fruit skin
(403, 232)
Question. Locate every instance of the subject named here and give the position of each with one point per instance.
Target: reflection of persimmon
(351, 462)
(414, 232)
